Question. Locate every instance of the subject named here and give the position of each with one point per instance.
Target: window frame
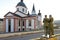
(23, 23)
(29, 22)
(23, 9)
(17, 9)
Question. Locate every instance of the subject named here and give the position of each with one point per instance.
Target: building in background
(20, 20)
(1, 25)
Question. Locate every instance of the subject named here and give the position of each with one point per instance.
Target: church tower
(21, 7)
(33, 10)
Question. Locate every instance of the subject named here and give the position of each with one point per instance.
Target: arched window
(23, 23)
(23, 9)
(17, 9)
(29, 22)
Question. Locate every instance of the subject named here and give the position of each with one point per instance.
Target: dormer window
(17, 9)
(23, 9)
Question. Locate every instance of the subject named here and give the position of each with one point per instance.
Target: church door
(9, 26)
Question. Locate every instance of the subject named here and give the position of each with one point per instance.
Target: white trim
(20, 9)
(6, 25)
(26, 23)
(20, 14)
(9, 14)
(23, 26)
(32, 23)
(12, 25)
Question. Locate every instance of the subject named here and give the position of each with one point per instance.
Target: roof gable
(9, 14)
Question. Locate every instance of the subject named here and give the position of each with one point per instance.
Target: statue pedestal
(47, 38)
(53, 38)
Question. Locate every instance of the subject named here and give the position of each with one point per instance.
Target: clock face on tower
(39, 18)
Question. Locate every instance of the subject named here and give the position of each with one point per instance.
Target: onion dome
(21, 4)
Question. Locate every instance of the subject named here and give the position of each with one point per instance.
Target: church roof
(20, 12)
(28, 16)
(13, 14)
(21, 4)
(16, 15)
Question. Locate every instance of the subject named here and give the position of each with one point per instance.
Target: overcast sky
(47, 7)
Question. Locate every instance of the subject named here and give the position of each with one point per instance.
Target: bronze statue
(51, 25)
(46, 24)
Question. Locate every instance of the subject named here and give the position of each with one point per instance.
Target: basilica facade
(20, 20)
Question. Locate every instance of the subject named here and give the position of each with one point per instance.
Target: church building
(20, 20)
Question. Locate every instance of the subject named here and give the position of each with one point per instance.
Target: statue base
(53, 38)
(47, 38)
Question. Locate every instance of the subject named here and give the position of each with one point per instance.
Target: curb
(18, 34)
(22, 33)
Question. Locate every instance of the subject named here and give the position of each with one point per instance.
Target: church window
(19, 22)
(23, 23)
(23, 9)
(29, 22)
(17, 9)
